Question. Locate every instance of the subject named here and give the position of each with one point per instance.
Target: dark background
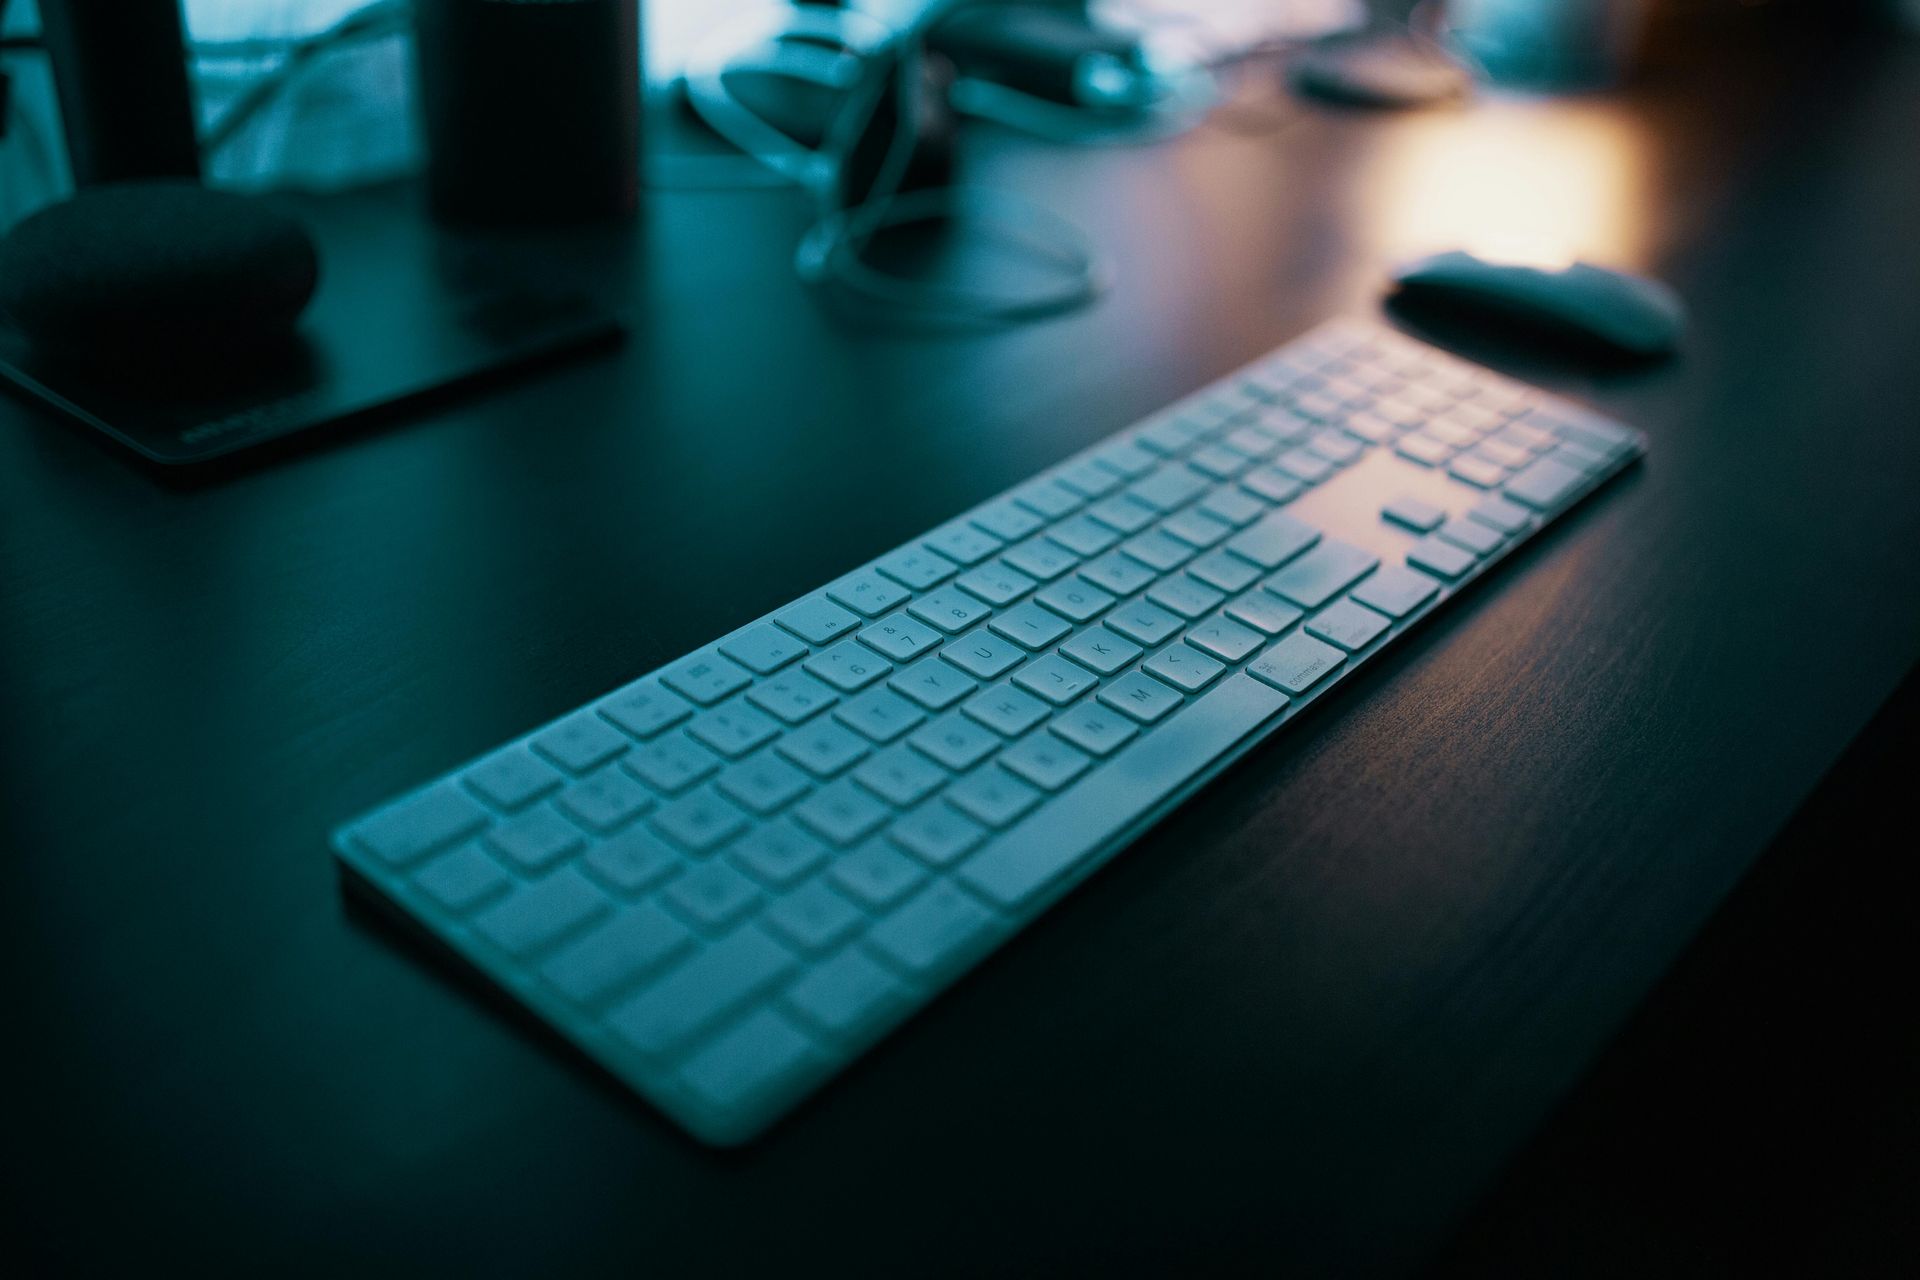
(1572, 937)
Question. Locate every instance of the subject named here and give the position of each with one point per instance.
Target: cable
(383, 18)
(832, 250)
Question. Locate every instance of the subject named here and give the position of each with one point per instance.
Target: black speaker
(120, 67)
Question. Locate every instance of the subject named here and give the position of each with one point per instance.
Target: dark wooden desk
(1307, 1020)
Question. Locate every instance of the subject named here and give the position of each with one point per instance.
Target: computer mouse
(1628, 313)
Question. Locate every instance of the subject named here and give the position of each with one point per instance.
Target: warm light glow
(1512, 181)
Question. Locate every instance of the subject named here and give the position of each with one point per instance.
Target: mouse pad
(404, 310)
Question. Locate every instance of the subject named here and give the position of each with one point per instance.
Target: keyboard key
(1138, 696)
(900, 637)
(815, 917)
(1041, 558)
(671, 763)
(706, 678)
(1443, 558)
(1101, 651)
(1007, 521)
(1048, 497)
(1125, 457)
(1478, 538)
(949, 608)
(735, 729)
(1184, 667)
(699, 821)
(1005, 710)
(1045, 761)
(1477, 472)
(763, 649)
(842, 812)
(1322, 573)
(581, 742)
(1054, 678)
(1195, 527)
(536, 840)
(1335, 447)
(1075, 599)
(777, 853)
(1157, 550)
(1172, 485)
(1223, 571)
(793, 696)
(992, 795)
(1012, 869)
(1030, 626)
(847, 996)
(817, 620)
(1116, 573)
(937, 833)
(955, 741)
(606, 801)
(764, 784)
(645, 708)
(1262, 612)
(1414, 513)
(1232, 506)
(1093, 728)
(535, 917)
(1296, 663)
(901, 776)
(1424, 450)
(877, 875)
(867, 593)
(713, 896)
(700, 993)
(998, 584)
(1274, 540)
(1083, 535)
(848, 666)
(1498, 513)
(1224, 639)
(823, 748)
(1217, 461)
(963, 543)
(1123, 513)
(1089, 479)
(1143, 622)
(1545, 484)
(632, 862)
(880, 714)
(916, 568)
(984, 655)
(1273, 484)
(1502, 454)
(615, 954)
(1252, 441)
(463, 879)
(513, 779)
(1349, 625)
(934, 683)
(941, 929)
(1395, 591)
(1304, 465)
(1185, 596)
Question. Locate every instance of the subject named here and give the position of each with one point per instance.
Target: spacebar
(1101, 806)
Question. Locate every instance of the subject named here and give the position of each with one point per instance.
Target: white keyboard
(728, 878)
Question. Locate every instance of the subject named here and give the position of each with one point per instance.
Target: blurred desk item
(1300, 1028)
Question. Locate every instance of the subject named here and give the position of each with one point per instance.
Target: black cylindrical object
(532, 108)
(120, 67)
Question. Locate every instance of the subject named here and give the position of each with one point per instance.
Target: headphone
(886, 160)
